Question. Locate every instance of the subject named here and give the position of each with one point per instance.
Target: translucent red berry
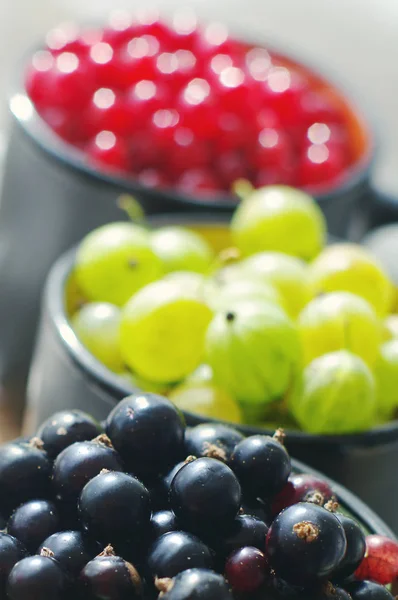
(381, 560)
(109, 150)
(106, 111)
(298, 489)
(320, 164)
(199, 182)
(246, 569)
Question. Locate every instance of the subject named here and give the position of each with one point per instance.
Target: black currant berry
(115, 507)
(65, 428)
(110, 577)
(11, 552)
(256, 508)
(33, 522)
(368, 590)
(176, 551)
(160, 490)
(37, 578)
(262, 466)
(163, 522)
(148, 432)
(205, 495)
(195, 584)
(305, 544)
(71, 549)
(356, 548)
(79, 463)
(246, 531)
(25, 472)
(246, 569)
(212, 440)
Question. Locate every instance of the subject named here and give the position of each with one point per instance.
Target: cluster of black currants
(145, 508)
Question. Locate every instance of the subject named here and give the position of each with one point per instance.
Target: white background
(357, 40)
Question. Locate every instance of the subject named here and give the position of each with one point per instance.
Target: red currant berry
(320, 165)
(233, 91)
(175, 68)
(63, 124)
(187, 152)
(198, 109)
(267, 119)
(214, 39)
(120, 29)
(70, 83)
(282, 92)
(325, 133)
(318, 107)
(272, 149)
(108, 150)
(185, 31)
(231, 166)
(231, 133)
(63, 38)
(103, 62)
(199, 182)
(137, 60)
(258, 63)
(246, 569)
(161, 130)
(106, 111)
(152, 178)
(144, 152)
(143, 100)
(38, 76)
(274, 176)
(381, 560)
(298, 489)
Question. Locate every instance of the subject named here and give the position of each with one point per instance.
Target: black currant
(65, 428)
(11, 552)
(25, 472)
(305, 544)
(368, 590)
(33, 522)
(37, 577)
(110, 577)
(195, 584)
(356, 548)
(262, 466)
(115, 507)
(71, 549)
(148, 432)
(176, 551)
(205, 495)
(256, 508)
(246, 531)
(79, 463)
(160, 490)
(212, 440)
(163, 522)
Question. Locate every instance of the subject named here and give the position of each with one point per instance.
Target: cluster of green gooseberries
(277, 327)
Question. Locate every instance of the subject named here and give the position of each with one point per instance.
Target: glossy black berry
(195, 584)
(356, 547)
(115, 507)
(79, 463)
(148, 432)
(262, 466)
(25, 472)
(246, 569)
(11, 552)
(37, 578)
(212, 440)
(205, 495)
(305, 544)
(163, 522)
(33, 522)
(65, 428)
(161, 488)
(256, 508)
(110, 577)
(245, 531)
(71, 549)
(368, 590)
(176, 551)
(3, 523)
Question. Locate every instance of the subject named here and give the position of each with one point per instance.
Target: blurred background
(356, 40)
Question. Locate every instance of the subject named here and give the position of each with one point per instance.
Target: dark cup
(64, 374)
(51, 198)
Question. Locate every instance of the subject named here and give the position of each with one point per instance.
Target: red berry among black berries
(246, 569)
(110, 577)
(115, 507)
(25, 472)
(66, 427)
(356, 547)
(212, 440)
(176, 551)
(195, 584)
(33, 522)
(205, 496)
(262, 466)
(298, 489)
(79, 463)
(37, 578)
(148, 432)
(11, 552)
(71, 549)
(163, 522)
(305, 544)
(368, 590)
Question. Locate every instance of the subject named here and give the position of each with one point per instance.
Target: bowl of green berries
(142, 507)
(258, 322)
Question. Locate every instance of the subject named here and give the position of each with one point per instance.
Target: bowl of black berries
(142, 507)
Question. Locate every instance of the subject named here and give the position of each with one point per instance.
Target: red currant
(108, 150)
(381, 560)
(298, 488)
(38, 76)
(231, 166)
(70, 83)
(103, 63)
(137, 60)
(175, 68)
(63, 124)
(282, 91)
(161, 130)
(325, 133)
(143, 100)
(152, 178)
(318, 107)
(185, 32)
(199, 182)
(272, 149)
(120, 29)
(106, 111)
(231, 133)
(234, 92)
(320, 164)
(198, 109)
(258, 63)
(214, 39)
(63, 38)
(246, 569)
(187, 152)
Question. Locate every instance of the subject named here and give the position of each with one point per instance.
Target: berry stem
(132, 208)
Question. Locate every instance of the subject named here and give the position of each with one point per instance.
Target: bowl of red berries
(142, 507)
(174, 112)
